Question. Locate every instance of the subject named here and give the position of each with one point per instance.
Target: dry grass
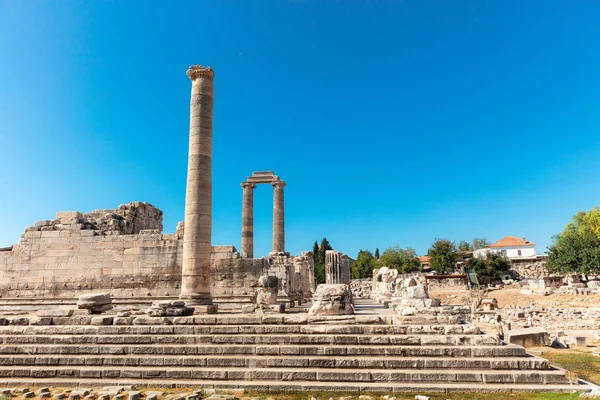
(580, 361)
(411, 396)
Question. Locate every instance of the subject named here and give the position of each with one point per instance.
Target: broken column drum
(195, 274)
(337, 268)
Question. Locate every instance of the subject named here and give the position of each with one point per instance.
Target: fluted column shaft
(196, 267)
(278, 218)
(248, 220)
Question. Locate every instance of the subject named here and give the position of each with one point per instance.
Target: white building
(511, 247)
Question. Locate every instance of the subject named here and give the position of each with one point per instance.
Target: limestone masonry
(124, 252)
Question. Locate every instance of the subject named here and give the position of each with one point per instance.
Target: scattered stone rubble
(412, 297)
(361, 288)
(123, 392)
(169, 308)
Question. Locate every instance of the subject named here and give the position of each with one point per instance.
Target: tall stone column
(197, 234)
(278, 218)
(248, 220)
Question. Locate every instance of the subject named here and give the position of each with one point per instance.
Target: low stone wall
(123, 252)
(447, 283)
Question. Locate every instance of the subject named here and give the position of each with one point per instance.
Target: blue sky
(392, 122)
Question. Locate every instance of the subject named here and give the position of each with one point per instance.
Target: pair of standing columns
(248, 218)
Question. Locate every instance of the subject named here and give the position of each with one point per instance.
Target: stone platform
(370, 351)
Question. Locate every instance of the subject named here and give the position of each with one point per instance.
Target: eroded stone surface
(332, 299)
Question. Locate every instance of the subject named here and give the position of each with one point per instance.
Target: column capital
(197, 71)
(278, 183)
(248, 185)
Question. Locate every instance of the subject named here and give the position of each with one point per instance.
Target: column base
(201, 302)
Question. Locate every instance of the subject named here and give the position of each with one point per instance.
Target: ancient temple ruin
(144, 299)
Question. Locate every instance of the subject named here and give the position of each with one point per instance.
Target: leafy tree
(480, 243)
(489, 268)
(575, 252)
(404, 260)
(364, 265)
(377, 253)
(443, 256)
(463, 245)
(577, 248)
(585, 222)
(315, 252)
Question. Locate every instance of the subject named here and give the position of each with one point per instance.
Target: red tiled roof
(511, 241)
(424, 259)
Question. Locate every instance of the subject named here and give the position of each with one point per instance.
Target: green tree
(319, 273)
(363, 266)
(489, 268)
(404, 260)
(377, 253)
(463, 245)
(480, 243)
(575, 252)
(315, 251)
(577, 248)
(443, 256)
(585, 222)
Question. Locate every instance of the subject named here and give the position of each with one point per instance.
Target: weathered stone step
(242, 319)
(506, 363)
(285, 374)
(340, 339)
(426, 319)
(273, 350)
(243, 329)
(307, 386)
(289, 319)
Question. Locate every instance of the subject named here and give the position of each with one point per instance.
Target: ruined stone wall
(63, 263)
(534, 269)
(120, 250)
(123, 252)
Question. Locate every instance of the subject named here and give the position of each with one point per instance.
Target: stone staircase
(276, 352)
